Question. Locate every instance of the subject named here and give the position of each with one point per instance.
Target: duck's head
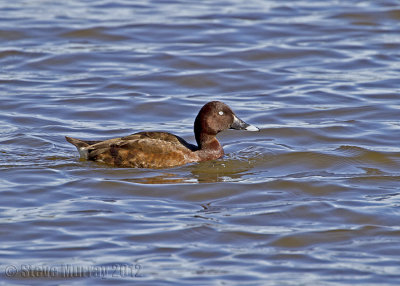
(214, 117)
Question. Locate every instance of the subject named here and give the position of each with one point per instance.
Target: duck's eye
(221, 113)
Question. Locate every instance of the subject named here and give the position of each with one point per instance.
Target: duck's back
(143, 150)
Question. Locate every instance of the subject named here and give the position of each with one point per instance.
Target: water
(312, 199)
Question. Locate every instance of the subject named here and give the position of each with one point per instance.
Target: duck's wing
(144, 150)
(163, 136)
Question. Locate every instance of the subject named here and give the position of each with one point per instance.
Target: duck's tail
(80, 145)
(76, 142)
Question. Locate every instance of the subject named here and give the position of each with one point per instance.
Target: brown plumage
(163, 149)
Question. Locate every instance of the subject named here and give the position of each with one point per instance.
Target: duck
(155, 150)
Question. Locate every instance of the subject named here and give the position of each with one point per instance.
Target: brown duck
(163, 149)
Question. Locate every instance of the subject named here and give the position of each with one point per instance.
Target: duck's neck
(209, 147)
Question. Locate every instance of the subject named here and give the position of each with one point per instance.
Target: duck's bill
(239, 124)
